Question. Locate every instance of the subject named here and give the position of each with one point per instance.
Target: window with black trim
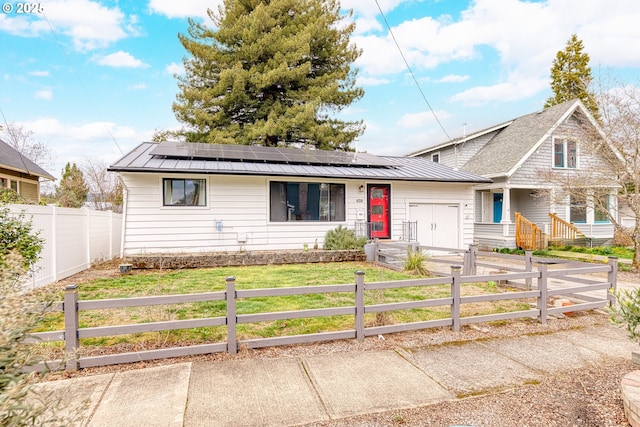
(184, 192)
(565, 153)
(435, 157)
(306, 201)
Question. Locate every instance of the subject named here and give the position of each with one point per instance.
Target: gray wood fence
(587, 292)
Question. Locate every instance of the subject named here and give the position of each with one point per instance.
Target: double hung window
(601, 208)
(578, 209)
(565, 154)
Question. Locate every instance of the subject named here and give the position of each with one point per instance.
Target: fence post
(376, 257)
(528, 266)
(71, 326)
(360, 306)
(232, 343)
(613, 279)
(542, 288)
(455, 295)
(473, 259)
(466, 263)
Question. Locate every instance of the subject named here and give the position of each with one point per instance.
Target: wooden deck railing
(528, 234)
(563, 230)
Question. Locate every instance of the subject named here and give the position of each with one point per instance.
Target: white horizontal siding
(462, 195)
(240, 205)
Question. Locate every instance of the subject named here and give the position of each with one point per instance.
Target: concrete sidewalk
(299, 390)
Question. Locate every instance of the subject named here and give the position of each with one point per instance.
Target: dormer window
(565, 153)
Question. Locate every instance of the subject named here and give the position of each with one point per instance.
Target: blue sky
(92, 79)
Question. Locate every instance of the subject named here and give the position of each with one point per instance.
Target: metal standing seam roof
(142, 159)
(13, 160)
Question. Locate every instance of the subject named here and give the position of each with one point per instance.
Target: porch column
(506, 211)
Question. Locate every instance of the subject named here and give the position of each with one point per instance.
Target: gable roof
(11, 159)
(514, 144)
(515, 141)
(184, 157)
(457, 141)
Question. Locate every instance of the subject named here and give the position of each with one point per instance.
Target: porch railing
(562, 230)
(528, 234)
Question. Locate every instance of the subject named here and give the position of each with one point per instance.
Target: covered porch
(508, 217)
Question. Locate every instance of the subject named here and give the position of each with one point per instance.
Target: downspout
(125, 200)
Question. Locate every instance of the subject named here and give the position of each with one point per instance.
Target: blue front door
(497, 207)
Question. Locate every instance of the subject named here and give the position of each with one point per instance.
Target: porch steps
(393, 254)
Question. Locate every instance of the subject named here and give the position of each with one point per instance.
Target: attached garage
(191, 197)
(437, 224)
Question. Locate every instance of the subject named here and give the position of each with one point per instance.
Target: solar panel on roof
(173, 149)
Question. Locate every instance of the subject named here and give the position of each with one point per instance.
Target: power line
(384, 18)
(77, 76)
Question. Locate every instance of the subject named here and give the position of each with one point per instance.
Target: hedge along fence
(73, 333)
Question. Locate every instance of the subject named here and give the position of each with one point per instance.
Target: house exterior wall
(542, 158)
(458, 155)
(28, 187)
(236, 216)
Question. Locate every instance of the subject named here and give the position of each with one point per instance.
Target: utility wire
(384, 18)
(84, 88)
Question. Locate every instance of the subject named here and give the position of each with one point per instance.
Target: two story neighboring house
(20, 174)
(522, 208)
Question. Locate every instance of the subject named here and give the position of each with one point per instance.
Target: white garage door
(438, 224)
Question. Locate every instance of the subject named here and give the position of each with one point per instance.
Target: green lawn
(145, 283)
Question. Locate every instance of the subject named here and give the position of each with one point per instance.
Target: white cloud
(183, 8)
(175, 68)
(39, 73)
(88, 23)
(121, 59)
(422, 118)
(524, 35)
(371, 81)
(46, 94)
(71, 142)
(513, 89)
(453, 78)
(138, 86)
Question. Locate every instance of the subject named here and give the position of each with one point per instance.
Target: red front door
(379, 211)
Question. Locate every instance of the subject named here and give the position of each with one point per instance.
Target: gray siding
(457, 156)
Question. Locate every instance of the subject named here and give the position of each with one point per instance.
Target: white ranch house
(191, 198)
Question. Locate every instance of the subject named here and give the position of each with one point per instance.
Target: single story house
(520, 207)
(191, 197)
(20, 174)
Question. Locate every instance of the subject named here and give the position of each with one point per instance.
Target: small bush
(626, 311)
(415, 263)
(603, 250)
(20, 312)
(16, 233)
(7, 195)
(341, 238)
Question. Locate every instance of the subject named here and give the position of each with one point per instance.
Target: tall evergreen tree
(72, 192)
(273, 73)
(571, 76)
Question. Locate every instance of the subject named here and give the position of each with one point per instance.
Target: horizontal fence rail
(576, 286)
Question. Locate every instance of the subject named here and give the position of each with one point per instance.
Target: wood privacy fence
(576, 286)
(73, 239)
